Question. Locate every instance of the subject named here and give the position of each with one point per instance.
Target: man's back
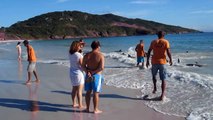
(94, 60)
(140, 49)
(159, 47)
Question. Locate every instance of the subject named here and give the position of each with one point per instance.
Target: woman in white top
(18, 47)
(76, 73)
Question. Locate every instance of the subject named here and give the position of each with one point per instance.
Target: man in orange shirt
(140, 53)
(32, 62)
(160, 48)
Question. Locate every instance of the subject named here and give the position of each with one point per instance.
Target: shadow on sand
(12, 81)
(146, 98)
(103, 95)
(31, 105)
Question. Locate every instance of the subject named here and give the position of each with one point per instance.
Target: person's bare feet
(75, 105)
(28, 82)
(81, 107)
(162, 97)
(154, 91)
(97, 111)
(37, 81)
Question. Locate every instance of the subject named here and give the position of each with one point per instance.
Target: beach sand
(51, 99)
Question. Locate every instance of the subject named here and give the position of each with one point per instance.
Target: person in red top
(32, 62)
(140, 53)
(160, 48)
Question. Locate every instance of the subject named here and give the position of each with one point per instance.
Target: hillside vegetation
(72, 24)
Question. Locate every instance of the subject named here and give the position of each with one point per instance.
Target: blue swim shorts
(95, 83)
(162, 71)
(140, 59)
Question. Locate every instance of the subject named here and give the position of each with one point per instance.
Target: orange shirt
(159, 48)
(140, 50)
(31, 54)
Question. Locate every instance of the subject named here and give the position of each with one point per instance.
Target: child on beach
(18, 47)
(76, 73)
(32, 62)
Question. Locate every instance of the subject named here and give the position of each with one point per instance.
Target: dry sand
(51, 99)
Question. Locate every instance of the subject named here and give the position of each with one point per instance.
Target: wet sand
(51, 99)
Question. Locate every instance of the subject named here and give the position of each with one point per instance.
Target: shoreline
(93, 37)
(53, 100)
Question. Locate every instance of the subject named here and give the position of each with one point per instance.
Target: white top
(19, 50)
(76, 73)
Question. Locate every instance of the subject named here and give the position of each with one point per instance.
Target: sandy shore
(51, 100)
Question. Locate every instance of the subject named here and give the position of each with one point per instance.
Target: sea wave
(187, 94)
(55, 61)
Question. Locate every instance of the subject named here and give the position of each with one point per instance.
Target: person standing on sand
(140, 53)
(18, 47)
(93, 65)
(32, 62)
(160, 48)
(76, 73)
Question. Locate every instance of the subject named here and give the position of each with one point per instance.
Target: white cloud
(143, 2)
(62, 1)
(202, 12)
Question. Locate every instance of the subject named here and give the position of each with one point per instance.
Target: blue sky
(195, 14)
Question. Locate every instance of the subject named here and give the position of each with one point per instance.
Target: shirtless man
(93, 65)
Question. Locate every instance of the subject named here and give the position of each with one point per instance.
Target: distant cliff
(72, 24)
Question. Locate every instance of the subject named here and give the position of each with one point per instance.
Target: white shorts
(31, 67)
(77, 78)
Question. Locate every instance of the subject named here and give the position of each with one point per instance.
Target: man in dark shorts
(160, 48)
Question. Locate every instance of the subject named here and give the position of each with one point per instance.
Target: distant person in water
(178, 60)
(32, 62)
(160, 48)
(93, 65)
(18, 47)
(76, 73)
(140, 53)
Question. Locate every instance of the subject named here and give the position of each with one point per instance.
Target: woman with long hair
(76, 73)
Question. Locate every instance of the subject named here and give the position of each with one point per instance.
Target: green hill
(71, 24)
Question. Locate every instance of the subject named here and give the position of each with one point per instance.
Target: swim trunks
(162, 71)
(31, 67)
(140, 59)
(94, 83)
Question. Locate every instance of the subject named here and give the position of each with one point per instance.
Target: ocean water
(189, 91)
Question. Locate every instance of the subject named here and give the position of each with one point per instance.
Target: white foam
(57, 62)
(123, 56)
(185, 90)
(183, 87)
(201, 114)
